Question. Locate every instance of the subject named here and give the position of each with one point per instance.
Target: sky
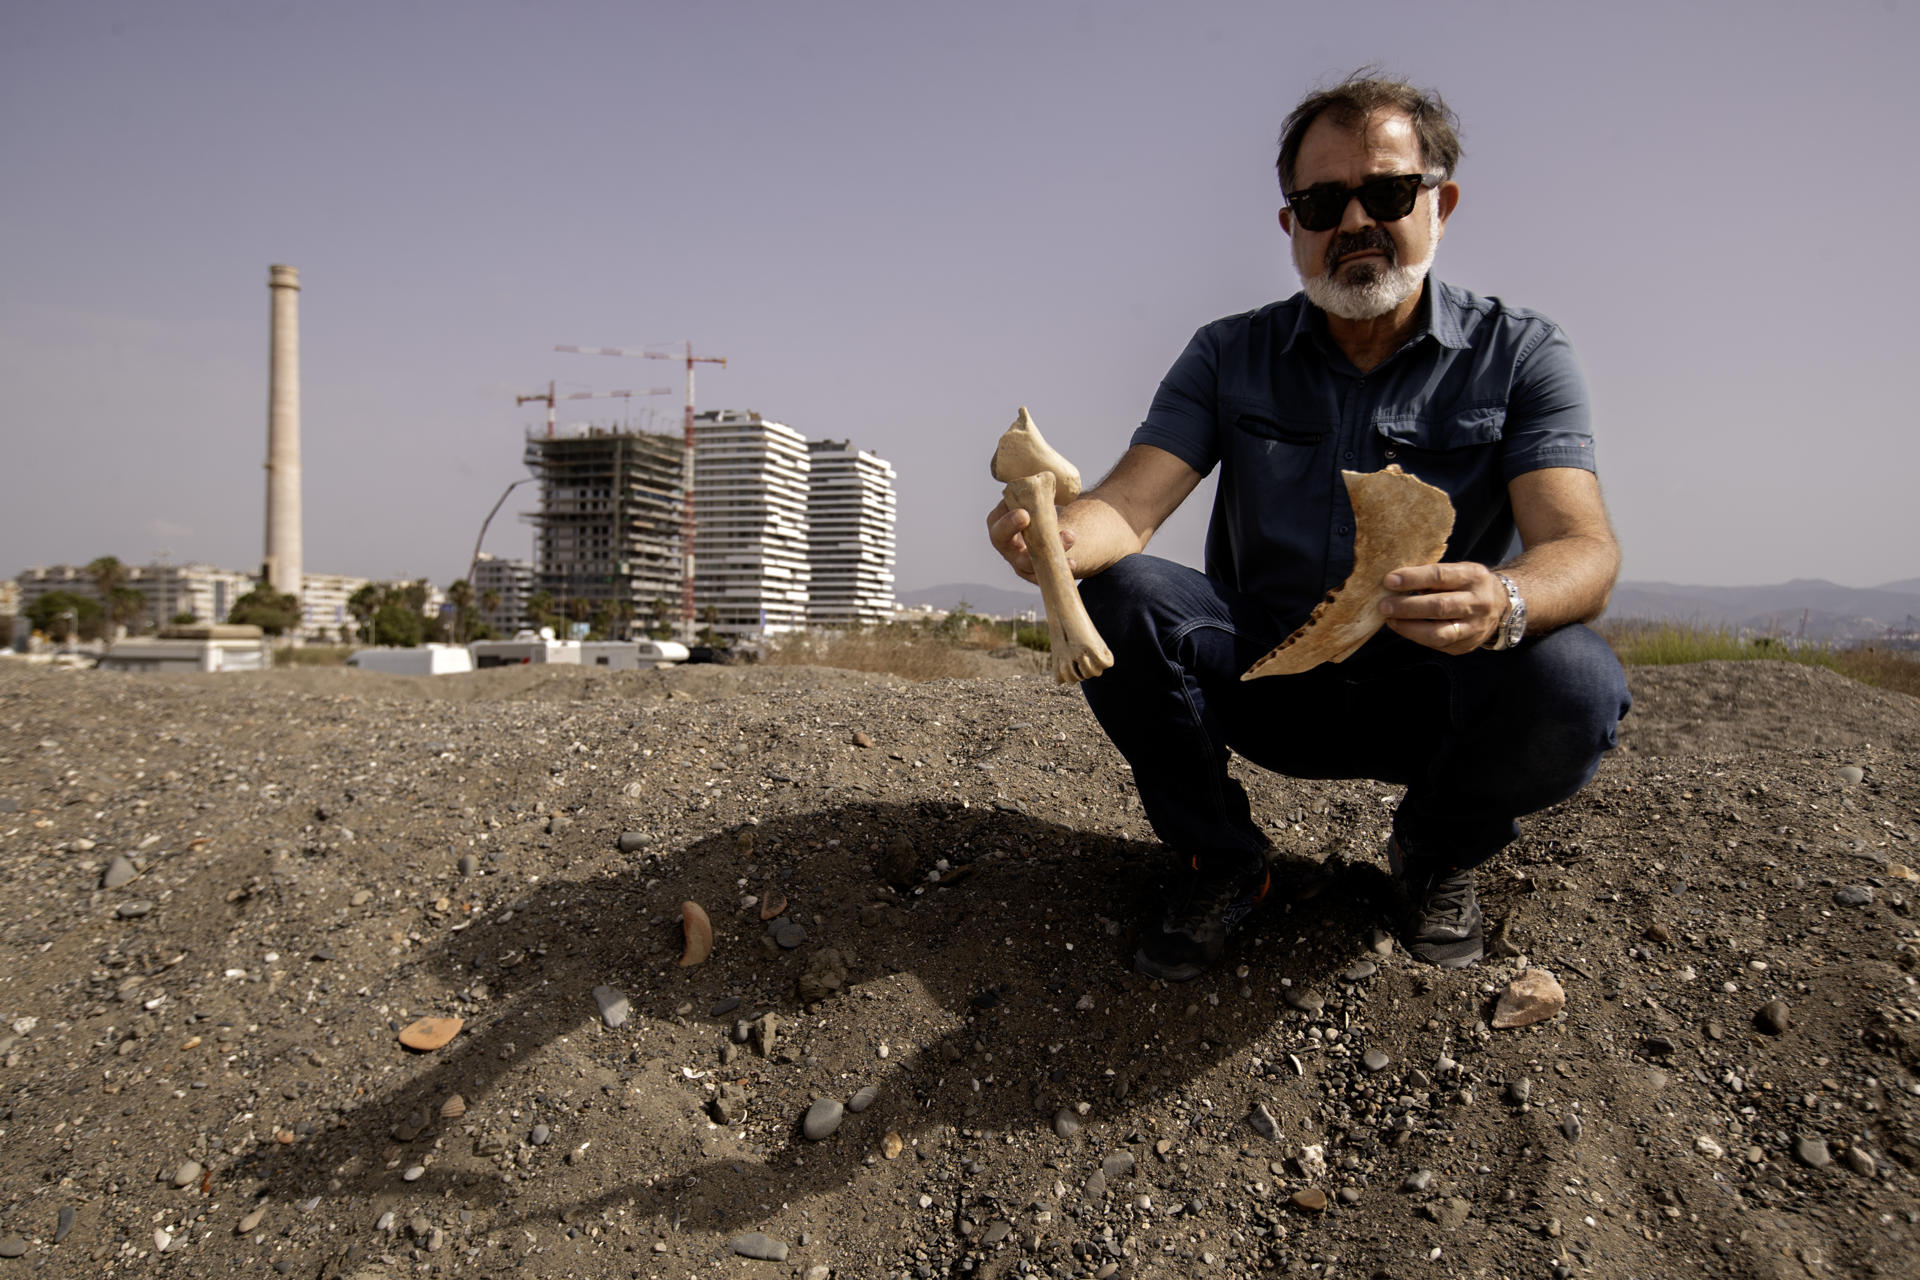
(900, 222)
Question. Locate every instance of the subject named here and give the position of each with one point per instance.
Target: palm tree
(109, 576)
(460, 596)
(540, 609)
(363, 604)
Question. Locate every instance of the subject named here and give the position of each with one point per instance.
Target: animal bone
(699, 933)
(1037, 477)
(1398, 520)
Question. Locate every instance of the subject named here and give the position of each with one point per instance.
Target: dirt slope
(322, 857)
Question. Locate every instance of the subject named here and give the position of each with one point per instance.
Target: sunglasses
(1386, 199)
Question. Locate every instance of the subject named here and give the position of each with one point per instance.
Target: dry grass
(1667, 644)
(895, 651)
(312, 655)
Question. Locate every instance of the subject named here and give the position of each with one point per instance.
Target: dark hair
(1360, 95)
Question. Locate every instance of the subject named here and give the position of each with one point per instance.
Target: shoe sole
(1463, 954)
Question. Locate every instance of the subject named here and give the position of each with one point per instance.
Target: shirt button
(1348, 455)
(1341, 530)
(1392, 454)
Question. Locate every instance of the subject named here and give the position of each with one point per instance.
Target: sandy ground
(203, 1071)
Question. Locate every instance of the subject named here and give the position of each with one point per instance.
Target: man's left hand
(1454, 608)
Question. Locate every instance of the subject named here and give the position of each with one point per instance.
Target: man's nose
(1355, 217)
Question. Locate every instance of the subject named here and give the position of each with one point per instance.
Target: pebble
(863, 1098)
(997, 1230)
(133, 909)
(1518, 1091)
(1771, 1017)
(12, 1247)
(1304, 999)
(1097, 1185)
(1312, 1199)
(1263, 1121)
(1572, 1126)
(726, 1007)
(729, 1103)
(633, 841)
(119, 872)
(1375, 1060)
(822, 1118)
(64, 1223)
(1853, 895)
(789, 934)
(614, 1005)
(762, 1032)
(1418, 1180)
(1118, 1166)
(187, 1174)
(361, 897)
(1359, 971)
(1532, 997)
(468, 864)
(1349, 1195)
(1812, 1151)
(862, 740)
(755, 1245)
(414, 1172)
(1657, 1047)
(161, 1239)
(253, 1218)
(1658, 933)
(1708, 1147)
(1857, 1160)
(540, 1136)
(1065, 1123)
(1851, 773)
(1381, 943)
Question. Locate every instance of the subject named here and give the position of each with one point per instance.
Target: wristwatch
(1513, 623)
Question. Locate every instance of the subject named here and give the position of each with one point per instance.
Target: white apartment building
(513, 580)
(750, 523)
(851, 512)
(171, 590)
(323, 605)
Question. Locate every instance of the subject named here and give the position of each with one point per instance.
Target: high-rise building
(608, 527)
(850, 514)
(751, 569)
(506, 584)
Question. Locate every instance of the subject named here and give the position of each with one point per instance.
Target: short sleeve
(1182, 418)
(1549, 418)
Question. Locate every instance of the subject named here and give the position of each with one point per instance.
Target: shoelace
(1449, 896)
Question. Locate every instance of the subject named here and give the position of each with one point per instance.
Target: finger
(1447, 637)
(1434, 577)
(1437, 605)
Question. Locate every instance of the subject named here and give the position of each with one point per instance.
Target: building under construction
(608, 527)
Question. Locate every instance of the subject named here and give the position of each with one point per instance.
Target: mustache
(1346, 242)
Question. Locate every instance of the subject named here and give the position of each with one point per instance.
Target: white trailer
(217, 647)
(423, 660)
(526, 647)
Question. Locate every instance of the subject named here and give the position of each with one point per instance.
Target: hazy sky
(901, 221)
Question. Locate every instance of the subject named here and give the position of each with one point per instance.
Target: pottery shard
(1398, 520)
(1532, 997)
(429, 1034)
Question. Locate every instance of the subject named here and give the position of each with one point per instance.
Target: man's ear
(1448, 193)
(1286, 220)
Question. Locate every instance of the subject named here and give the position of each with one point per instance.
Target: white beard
(1381, 289)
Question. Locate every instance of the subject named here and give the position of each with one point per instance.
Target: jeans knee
(1578, 686)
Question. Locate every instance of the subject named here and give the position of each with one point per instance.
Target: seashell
(699, 934)
(453, 1108)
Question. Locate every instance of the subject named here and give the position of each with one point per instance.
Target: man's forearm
(1565, 581)
(1101, 535)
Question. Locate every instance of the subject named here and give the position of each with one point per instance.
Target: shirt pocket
(1457, 450)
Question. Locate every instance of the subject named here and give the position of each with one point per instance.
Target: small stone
(415, 1172)
(1518, 1091)
(615, 1008)
(891, 1146)
(161, 1239)
(863, 1097)
(1349, 1195)
(64, 1223)
(540, 1135)
(12, 1247)
(862, 740)
(361, 897)
(1418, 1180)
(468, 864)
(1851, 774)
(1065, 1123)
(1708, 1147)
(1374, 1060)
(1532, 997)
(1380, 943)
(428, 1034)
(1263, 1121)
(755, 1245)
(1658, 933)
(119, 872)
(1657, 1047)
(133, 909)
(634, 841)
(1451, 1213)
(1097, 1185)
(1857, 1160)
(1572, 1126)
(762, 1032)
(822, 1118)
(789, 934)
(729, 1103)
(1305, 1000)
(1312, 1199)
(1359, 971)
(187, 1174)
(1771, 1017)
(825, 975)
(251, 1219)
(1312, 1162)
(1853, 895)
(1119, 1165)
(1812, 1151)
(997, 1230)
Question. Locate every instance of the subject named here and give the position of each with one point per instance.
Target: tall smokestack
(282, 568)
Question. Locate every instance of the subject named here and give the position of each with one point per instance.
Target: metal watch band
(1513, 623)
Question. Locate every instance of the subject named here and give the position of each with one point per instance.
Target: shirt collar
(1438, 315)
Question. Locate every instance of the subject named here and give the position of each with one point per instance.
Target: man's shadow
(1027, 925)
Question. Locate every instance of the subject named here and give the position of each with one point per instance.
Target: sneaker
(1441, 922)
(1192, 936)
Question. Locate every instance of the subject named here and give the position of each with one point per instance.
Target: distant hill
(1813, 607)
(1001, 602)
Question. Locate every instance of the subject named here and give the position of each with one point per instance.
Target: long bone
(1398, 520)
(1037, 477)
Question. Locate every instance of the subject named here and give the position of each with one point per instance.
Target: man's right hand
(1007, 531)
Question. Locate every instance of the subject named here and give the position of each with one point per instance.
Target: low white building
(323, 605)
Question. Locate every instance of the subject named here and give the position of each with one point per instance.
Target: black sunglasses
(1386, 199)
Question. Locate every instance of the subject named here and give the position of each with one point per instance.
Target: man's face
(1364, 268)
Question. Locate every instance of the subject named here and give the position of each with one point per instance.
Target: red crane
(686, 510)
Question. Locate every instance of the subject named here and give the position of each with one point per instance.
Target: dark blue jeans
(1477, 740)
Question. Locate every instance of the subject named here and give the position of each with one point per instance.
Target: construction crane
(550, 398)
(686, 509)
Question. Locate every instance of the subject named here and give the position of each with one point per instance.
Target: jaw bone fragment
(1037, 477)
(1398, 520)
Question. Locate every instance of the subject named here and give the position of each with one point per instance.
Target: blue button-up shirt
(1480, 393)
